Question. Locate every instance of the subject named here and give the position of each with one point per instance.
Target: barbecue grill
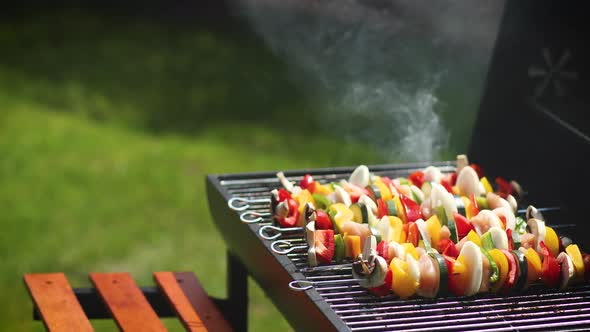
(337, 302)
(524, 131)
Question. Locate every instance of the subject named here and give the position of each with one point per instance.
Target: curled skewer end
(249, 217)
(238, 204)
(279, 250)
(265, 230)
(300, 285)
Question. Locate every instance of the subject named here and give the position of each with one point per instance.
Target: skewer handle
(242, 204)
(250, 217)
(264, 231)
(284, 251)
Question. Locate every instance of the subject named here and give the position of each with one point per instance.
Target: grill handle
(264, 231)
(242, 204)
(284, 251)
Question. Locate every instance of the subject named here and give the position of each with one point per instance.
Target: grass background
(108, 126)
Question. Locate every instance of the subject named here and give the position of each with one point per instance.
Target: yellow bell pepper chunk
(486, 185)
(352, 245)
(503, 267)
(383, 188)
(410, 249)
(456, 191)
(402, 283)
(341, 213)
(552, 241)
(433, 228)
(401, 211)
(322, 189)
(574, 252)
(473, 237)
(534, 265)
(397, 229)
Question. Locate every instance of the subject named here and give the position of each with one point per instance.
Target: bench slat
(184, 309)
(209, 313)
(129, 307)
(56, 302)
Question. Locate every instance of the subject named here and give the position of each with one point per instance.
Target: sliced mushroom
(468, 182)
(462, 161)
(567, 269)
(517, 189)
(310, 237)
(369, 268)
(309, 213)
(274, 201)
(532, 212)
(285, 182)
(342, 196)
(360, 176)
(513, 203)
(432, 174)
(537, 228)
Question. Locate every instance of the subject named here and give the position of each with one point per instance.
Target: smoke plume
(381, 67)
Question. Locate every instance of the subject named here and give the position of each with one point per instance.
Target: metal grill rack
(343, 305)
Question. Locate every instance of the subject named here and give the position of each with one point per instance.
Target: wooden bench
(180, 294)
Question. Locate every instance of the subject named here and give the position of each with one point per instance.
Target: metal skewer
(250, 217)
(265, 230)
(303, 285)
(242, 204)
(287, 250)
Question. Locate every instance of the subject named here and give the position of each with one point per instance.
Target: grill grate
(536, 309)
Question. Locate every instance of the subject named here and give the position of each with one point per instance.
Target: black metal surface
(346, 306)
(533, 122)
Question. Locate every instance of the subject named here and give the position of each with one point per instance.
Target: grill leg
(237, 297)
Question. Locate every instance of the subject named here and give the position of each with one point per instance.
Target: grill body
(344, 305)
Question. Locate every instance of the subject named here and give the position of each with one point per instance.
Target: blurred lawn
(107, 130)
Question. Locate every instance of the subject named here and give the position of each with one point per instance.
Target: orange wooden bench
(117, 296)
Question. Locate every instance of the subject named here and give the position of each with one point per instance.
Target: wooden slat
(185, 311)
(56, 302)
(129, 307)
(205, 308)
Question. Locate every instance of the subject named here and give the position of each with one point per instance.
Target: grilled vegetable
(471, 257)
(567, 269)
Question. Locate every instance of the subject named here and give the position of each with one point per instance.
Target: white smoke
(378, 65)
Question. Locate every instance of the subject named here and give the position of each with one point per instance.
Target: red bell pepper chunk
(463, 225)
(417, 178)
(550, 270)
(447, 185)
(284, 194)
(454, 178)
(385, 288)
(504, 187)
(413, 234)
(474, 206)
(307, 183)
(322, 220)
(413, 212)
(477, 170)
(512, 270)
(383, 250)
(510, 239)
(291, 219)
(324, 245)
(381, 208)
(586, 259)
(454, 286)
(447, 247)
